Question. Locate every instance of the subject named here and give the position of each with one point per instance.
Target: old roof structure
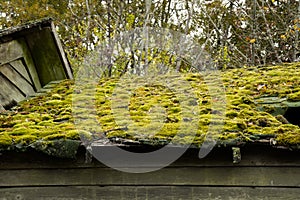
(31, 56)
(261, 109)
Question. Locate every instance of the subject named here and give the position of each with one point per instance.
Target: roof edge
(44, 22)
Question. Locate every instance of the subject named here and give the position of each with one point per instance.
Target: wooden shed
(264, 173)
(31, 56)
(256, 155)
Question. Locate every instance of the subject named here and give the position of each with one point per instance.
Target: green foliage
(234, 33)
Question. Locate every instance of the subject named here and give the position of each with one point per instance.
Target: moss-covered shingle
(44, 119)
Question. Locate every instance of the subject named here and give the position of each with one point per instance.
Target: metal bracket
(236, 155)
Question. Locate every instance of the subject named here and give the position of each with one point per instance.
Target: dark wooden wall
(263, 173)
(18, 76)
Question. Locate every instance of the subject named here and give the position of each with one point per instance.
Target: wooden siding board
(18, 65)
(226, 176)
(30, 65)
(10, 51)
(16, 50)
(32, 175)
(46, 57)
(149, 192)
(9, 93)
(17, 80)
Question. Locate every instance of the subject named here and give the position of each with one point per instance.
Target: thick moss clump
(6, 141)
(63, 148)
(155, 113)
(41, 119)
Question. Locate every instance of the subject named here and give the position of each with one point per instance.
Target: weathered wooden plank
(18, 68)
(149, 192)
(29, 63)
(10, 51)
(61, 51)
(1, 107)
(227, 176)
(17, 79)
(21, 69)
(47, 60)
(9, 94)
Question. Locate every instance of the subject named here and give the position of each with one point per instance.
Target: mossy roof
(46, 122)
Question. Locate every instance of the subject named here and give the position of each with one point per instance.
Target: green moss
(45, 117)
(53, 102)
(5, 141)
(75, 134)
(24, 125)
(47, 123)
(289, 138)
(231, 114)
(253, 130)
(21, 131)
(25, 139)
(63, 117)
(55, 136)
(174, 109)
(63, 148)
(155, 111)
(294, 96)
(242, 100)
(56, 97)
(228, 136)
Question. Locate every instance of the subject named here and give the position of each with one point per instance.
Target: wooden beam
(62, 54)
(193, 176)
(148, 192)
(256, 156)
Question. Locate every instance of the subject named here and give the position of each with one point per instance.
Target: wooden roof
(248, 118)
(31, 56)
